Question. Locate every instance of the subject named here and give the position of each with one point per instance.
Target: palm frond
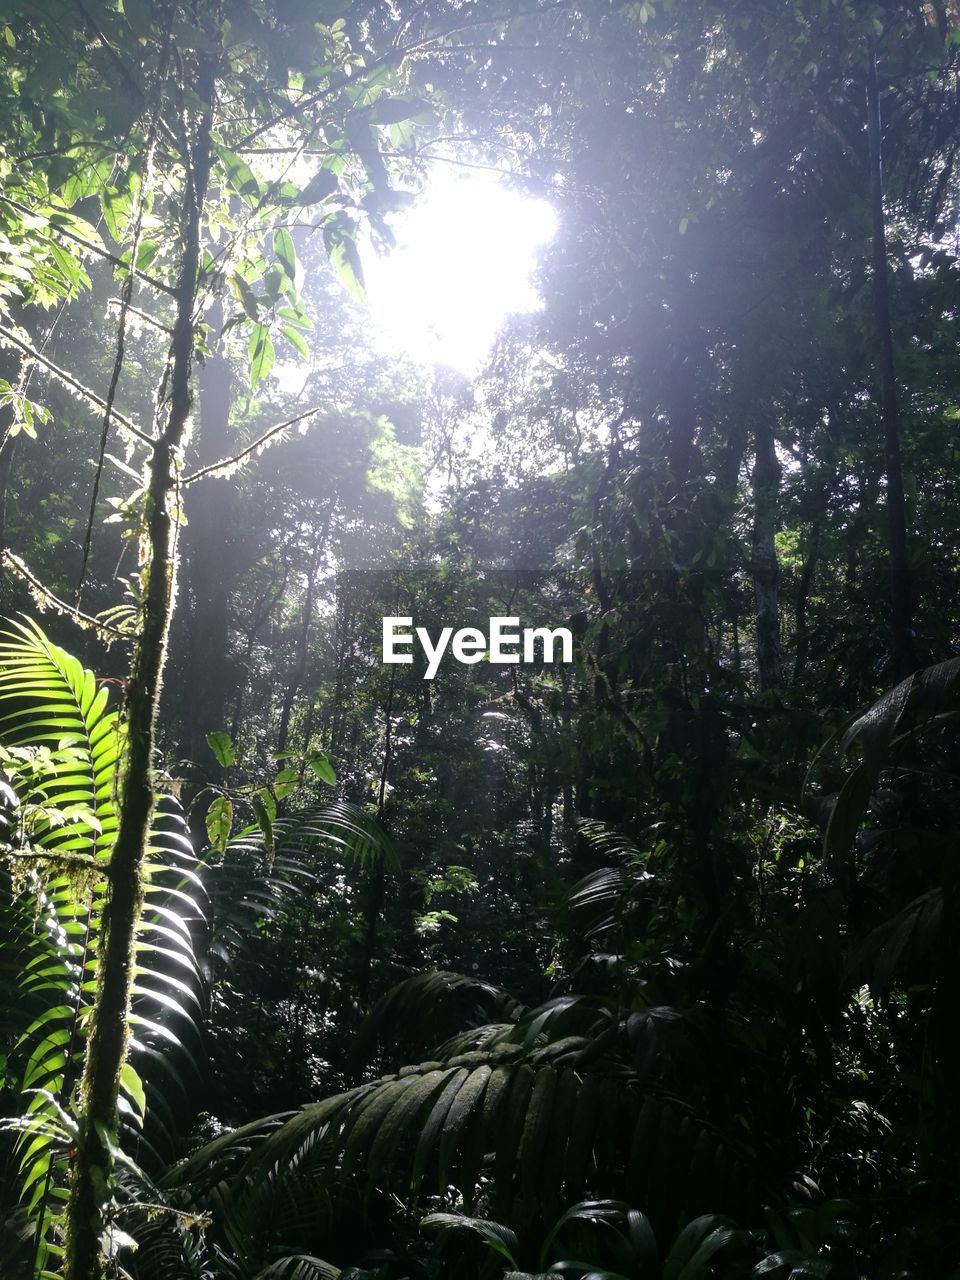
(504, 1127)
(421, 1009)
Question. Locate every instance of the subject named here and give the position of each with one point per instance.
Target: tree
(192, 84)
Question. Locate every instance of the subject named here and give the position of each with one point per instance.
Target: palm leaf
(416, 1133)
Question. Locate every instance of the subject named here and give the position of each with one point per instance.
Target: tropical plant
(60, 746)
(61, 739)
(533, 1114)
(612, 1242)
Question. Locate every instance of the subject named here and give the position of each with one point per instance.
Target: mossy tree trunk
(108, 1039)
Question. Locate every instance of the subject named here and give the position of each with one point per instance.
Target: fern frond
(60, 745)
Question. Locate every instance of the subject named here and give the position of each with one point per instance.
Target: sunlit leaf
(221, 746)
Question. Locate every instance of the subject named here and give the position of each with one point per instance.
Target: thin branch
(46, 597)
(69, 380)
(227, 465)
(142, 315)
(58, 859)
(126, 298)
(284, 151)
(292, 110)
(94, 248)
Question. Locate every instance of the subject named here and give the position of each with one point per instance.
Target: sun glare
(463, 263)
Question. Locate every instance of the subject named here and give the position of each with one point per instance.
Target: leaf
(221, 746)
(462, 1109)
(296, 340)
(132, 1085)
(285, 782)
(246, 296)
(501, 1239)
(269, 803)
(68, 265)
(386, 111)
(265, 823)
(116, 211)
(848, 811)
(295, 315)
(262, 355)
(698, 1244)
(339, 236)
(61, 713)
(319, 762)
(286, 253)
(220, 822)
(322, 184)
(239, 175)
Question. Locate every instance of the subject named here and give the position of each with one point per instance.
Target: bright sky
(464, 257)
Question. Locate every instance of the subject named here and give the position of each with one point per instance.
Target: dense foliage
(641, 967)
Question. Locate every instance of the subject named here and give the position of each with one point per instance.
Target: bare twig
(142, 315)
(69, 380)
(227, 465)
(47, 598)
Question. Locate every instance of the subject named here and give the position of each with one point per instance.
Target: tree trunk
(766, 569)
(10, 363)
(8, 447)
(303, 641)
(901, 583)
(108, 1040)
(803, 600)
(378, 886)
(208, 571)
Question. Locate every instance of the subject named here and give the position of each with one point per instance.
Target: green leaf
(501, 1239)
(239, 175)
(116, 206)
(322, 184)
(285, 782)
(264, 822)
(286, 254)
(319, 762)
(388, 111)
(132, 1086)
(339, 236)
(146, 252)
(220, 822)
(68, 265)
(296, 340)
(221, 746)
(268, 801)
(246, 296)
(296, 315)
(262, 355)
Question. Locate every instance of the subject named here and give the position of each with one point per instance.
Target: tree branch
(142, 315)
(69, 380)
(227, 465)
(46, 598)
(94, 248)
(58, 859)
